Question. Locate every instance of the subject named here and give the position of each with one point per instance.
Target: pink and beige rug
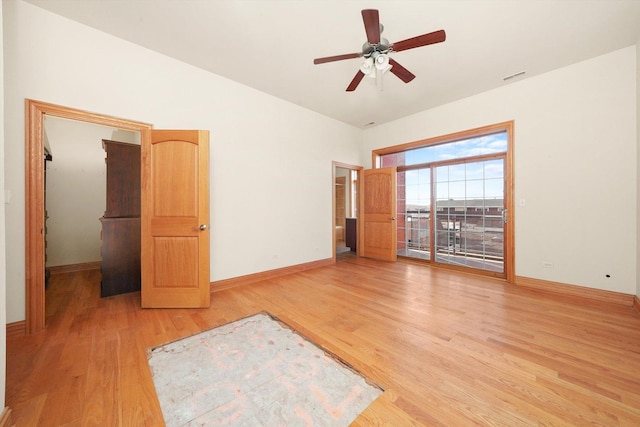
(255, 372)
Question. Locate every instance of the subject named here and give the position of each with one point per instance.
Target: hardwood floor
(448, 348)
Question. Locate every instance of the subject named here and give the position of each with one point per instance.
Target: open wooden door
(377, 231)
(175, 218)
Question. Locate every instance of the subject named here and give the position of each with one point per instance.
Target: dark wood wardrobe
(121, 220)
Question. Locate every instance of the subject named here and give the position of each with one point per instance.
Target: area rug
(255, 372)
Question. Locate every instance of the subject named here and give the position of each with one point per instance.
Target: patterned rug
(255, 372)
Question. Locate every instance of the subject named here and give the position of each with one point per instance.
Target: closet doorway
(35, 202)
(75, 191)
(345, 194)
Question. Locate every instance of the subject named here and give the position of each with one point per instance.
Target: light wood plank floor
(448, 348)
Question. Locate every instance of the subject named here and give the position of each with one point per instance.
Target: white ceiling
(270, 44)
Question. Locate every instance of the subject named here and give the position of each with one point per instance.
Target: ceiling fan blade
(401, 72)
(371, 25)
(355, 82)
(336, 58)
(423, 40)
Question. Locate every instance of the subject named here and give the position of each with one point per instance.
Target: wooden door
(175, 218)
(377, 215)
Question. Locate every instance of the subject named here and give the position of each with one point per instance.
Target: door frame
(333, 198)
(35, 112)
(509, 128)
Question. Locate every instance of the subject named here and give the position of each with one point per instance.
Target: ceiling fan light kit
(376, 49)
(367, 67)
(376, 65)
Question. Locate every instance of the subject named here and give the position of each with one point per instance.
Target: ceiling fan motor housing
(383, 47)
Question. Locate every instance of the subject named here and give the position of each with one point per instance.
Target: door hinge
(504, 215)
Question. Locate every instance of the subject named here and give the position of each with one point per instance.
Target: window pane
(411, 177)
(457, 172)
(442, 191)
(494, 188)
(475, 170)
(467, 148)
(394, 159)
(420, 155)
(414, 216)
(425, 194)
(445, 152)
(493, 169)
(496, 143)
(442, 173)
(413, 194)
(424, 175)
(475, 189)
(456, 190)
(489, 144)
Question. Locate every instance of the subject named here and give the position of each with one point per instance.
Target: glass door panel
(414, 211)
(469, 226)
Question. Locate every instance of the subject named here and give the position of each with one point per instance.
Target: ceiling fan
(376, 51)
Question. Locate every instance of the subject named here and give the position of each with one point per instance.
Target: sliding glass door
(452, 201)
(469, 214)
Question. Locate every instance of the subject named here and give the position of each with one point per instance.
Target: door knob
(393, 218)
(203, 227)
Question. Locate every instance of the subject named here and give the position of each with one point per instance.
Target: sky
(473, 180)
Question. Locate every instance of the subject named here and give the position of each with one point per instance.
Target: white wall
(76, 189)
(3, 265)
(575, 165)
(638, 164)
(271, 161)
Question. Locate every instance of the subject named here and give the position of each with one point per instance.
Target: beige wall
(638, 165)
(3, 265)
(575, 166)
(271, 174)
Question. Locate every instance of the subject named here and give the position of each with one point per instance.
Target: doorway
(35, 200)
(75, 191)
(345, 210)
(455, 199)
